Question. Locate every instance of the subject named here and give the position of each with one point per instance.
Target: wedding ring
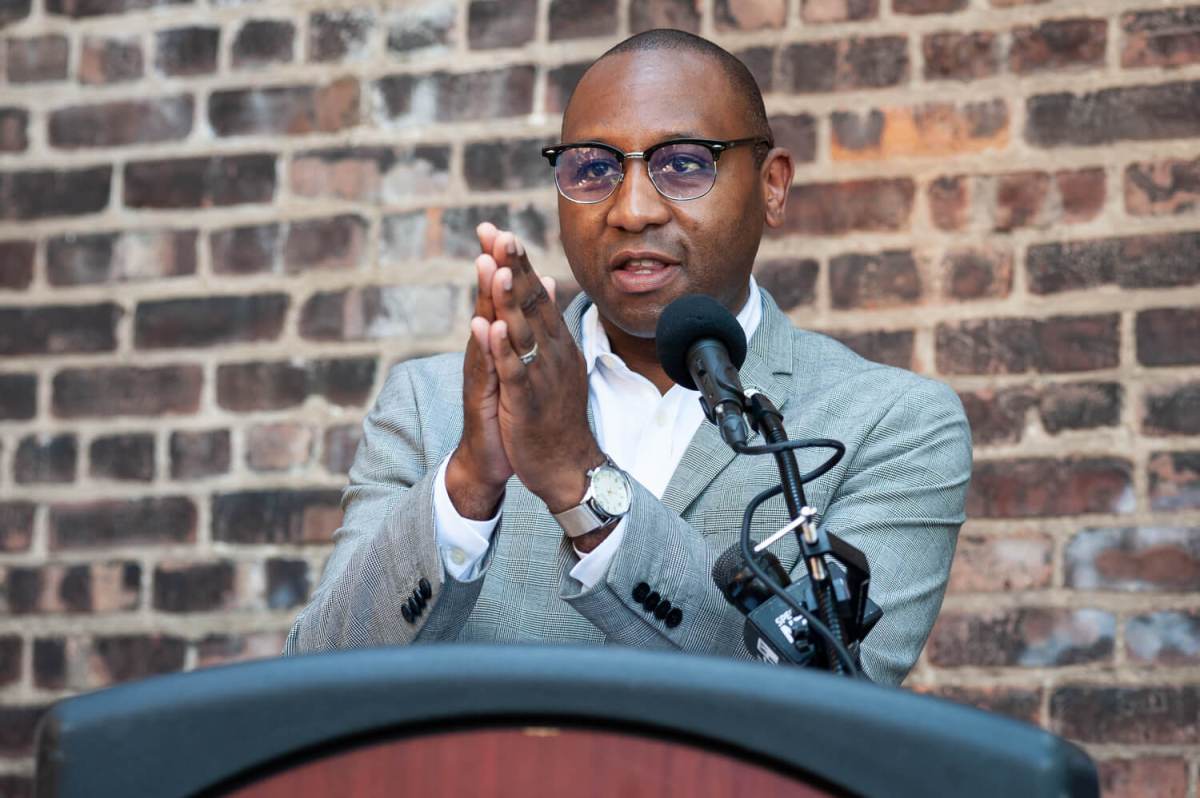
(529, 356)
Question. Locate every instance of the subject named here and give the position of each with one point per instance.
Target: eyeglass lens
(679, 171)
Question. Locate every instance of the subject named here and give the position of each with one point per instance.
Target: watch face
(610, 490)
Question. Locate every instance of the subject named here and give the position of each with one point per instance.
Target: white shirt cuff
(592, 566)
(462, 541)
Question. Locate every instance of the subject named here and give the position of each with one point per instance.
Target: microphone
(776, 634)
(701, 346)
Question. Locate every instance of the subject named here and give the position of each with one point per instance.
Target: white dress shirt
(644, 433)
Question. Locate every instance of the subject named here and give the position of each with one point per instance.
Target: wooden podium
(535, 721)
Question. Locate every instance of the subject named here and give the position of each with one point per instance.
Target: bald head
(744, 88)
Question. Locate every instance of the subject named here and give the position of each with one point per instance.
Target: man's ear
(777, 171)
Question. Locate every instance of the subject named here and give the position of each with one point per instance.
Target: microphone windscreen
(727, 566)
(688, 320)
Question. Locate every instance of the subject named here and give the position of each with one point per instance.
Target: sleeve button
(640, 592)
(674, 618)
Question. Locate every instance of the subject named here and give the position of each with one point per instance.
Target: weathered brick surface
(222, 222)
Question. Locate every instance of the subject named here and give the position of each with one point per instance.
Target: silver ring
(529, 356)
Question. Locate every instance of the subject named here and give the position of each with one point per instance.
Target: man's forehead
(652, 94)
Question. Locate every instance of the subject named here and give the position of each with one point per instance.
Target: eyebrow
(674, 134)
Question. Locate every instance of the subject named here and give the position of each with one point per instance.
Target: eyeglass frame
(714, 146)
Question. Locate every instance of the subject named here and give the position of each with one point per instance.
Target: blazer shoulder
(438, 375)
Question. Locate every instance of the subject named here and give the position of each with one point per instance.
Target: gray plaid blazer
(897, 495)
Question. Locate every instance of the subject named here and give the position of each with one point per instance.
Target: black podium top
(211, 729)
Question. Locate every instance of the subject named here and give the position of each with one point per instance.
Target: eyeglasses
(680, 169)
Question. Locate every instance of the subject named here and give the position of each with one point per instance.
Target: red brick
(950, 202)
(244, 387)
(101, 524)
(736, 15)
(118, 124)
(339, 35)
(951, 55)
(392, 173)
(792, 282)
(187, 51)
(1009, 563)
(16, 264)
(1058, 44)
(14, 129)
(1162, 188)
(930, 130)
(928, 6)
(798, 134)
(282, 446)
(11, 648)
(427, 25)
(200, 182)
(127, 391)
(1126, 715)
(859, 63)
(38, 59)
(977, 273)
(1170, 638)
(18, 397)
(49, 664)
(379, 312)
(1080, 405)
(338, 242)
(1131, 113)
(262, 42)
(194, 587)
(96, 259)
(222, 649)
(16, 526)
(1081, 194)
(459, 97)
(1026, 637)
(1174, 480)
(560, 83)
(127, 457)
(1047, 487)
(122, 658)
(110, 60)
(1168, 337)
(1160, 776)
(500, 165)
(820, 11)
(500, 23)
(1019, 199)
(1134, 559)
(893, 348)
(997, 416)
(16, 10)
(1015, 346)
(209, 321)
(245, 250)
(44, 193)
(298, 516)
(285, 110)
(287, 583)
(1166, 260)
(879, 205)
(58, 329)
(1167, 37)
(341, 443)
(580, 19)
(88, 588)
(680, 14)
(199, 454)
(1172, 410)
(41, 459)
(92, 8)
(17, 726)
(887, 279)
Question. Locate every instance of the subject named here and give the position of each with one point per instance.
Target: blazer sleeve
(387, 542)
(900, 501)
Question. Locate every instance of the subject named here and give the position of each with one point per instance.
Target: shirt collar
(595, 343)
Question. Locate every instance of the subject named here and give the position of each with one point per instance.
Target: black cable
(815, 623)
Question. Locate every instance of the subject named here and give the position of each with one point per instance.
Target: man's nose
(637, 203)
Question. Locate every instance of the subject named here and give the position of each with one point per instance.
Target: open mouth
(636, 273)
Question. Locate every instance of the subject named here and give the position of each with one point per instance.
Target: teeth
(644, 265)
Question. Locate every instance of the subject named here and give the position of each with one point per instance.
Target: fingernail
(520, 249)
(506, 280)
(512, 246)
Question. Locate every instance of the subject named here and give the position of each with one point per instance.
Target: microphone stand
(814, 542)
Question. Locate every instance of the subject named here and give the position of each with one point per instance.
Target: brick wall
(221, 221)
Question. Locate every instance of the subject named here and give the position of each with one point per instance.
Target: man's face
(707, 245)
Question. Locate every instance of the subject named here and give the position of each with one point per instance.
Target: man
(552, 485)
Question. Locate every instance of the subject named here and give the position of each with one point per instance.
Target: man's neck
(638, 354)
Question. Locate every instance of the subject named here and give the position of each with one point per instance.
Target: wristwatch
(608, 497)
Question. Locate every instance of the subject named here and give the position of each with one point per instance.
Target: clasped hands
(528, 419)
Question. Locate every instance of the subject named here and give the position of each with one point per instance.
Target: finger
(509, 368)
(551, 288)
(521, 333)
(486, 232)
(485, 270)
